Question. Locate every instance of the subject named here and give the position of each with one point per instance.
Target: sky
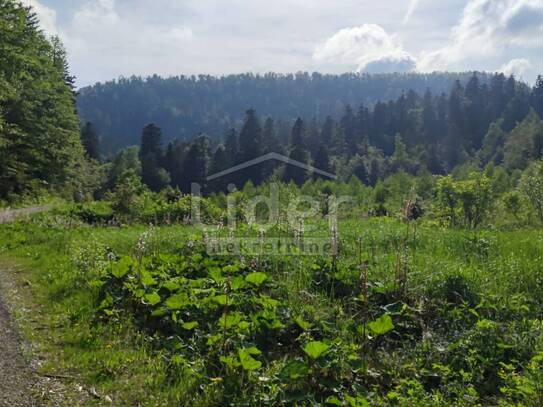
(107, 39)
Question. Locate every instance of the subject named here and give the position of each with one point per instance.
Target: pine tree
(151, 156)
(90, 141)
(322, 160)
(195, 166)
(271, 145)
(231, 147)
(39, 129)
(298, 152)
(250, 147)
(173, 161)
(348, 126)
(537, 96)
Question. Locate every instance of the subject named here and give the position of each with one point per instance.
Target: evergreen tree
(39, 130)
(298, 152)
(537, 96)
(250, 147)
(328, 130)
(151, 156)
(231, 147)
(173, 161)
(90, 141)
(195, 166)
(348, 127)
(322, 160)
(219, 163)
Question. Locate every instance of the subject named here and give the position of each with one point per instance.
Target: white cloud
(489, 29)
(96, 14)
(365, 47)
(107, 36)
(46, 15)
(518, 67)
(412, 7)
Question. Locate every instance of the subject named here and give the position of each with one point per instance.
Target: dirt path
(20, 386)
(12, 214)
(17, 381)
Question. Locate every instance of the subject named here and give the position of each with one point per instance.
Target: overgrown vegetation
(404, 312)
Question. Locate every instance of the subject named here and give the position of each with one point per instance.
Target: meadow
(399, 313)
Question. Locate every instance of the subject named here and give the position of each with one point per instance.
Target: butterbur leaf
(382, 325)
(247, 361)
(257, 278)
(221, 299)
(315, 349)
(237, 283)
(302, 323)
(159, 312)
(190, 325)
(295, 370)
(216, 275)
(152, 298)
(147, 279)
(230, 320)
(171, 285)
(231, 269)
(358, 401)
(229, 361)
(177, 301)
(333, 401)
(122, 267)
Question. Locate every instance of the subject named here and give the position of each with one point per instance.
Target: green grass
(467, 322)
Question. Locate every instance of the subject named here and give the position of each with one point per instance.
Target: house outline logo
(268, 157)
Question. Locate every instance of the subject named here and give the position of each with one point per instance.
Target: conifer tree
(298, 152)
(90, 141)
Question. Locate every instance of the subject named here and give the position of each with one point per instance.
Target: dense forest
(185, 106)
(493, 121)
(39, 127)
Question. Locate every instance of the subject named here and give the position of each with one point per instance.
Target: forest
(392, 257)
(186, 106)
(475, 125)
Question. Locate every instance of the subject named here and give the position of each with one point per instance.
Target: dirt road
(12, 214)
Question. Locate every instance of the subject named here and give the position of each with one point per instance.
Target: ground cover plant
(403, 313)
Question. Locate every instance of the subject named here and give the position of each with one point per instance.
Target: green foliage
(470, 199)
(532, 186)
(315, 349)
(381, 326)
(39, 130)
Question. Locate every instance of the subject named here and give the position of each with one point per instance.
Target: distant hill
(185, 106)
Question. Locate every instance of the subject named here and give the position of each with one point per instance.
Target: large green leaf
(230, 320)
(189, 325)
(122, 267)
(315, 349)
(295, 370)
(247, 361)
(153, 298)
(382, 325)
(257, 278)
(177, 301)
(221, 299)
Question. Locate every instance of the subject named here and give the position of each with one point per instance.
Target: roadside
(21, 383)
(11, 214)
(17, 381)
(22, 335)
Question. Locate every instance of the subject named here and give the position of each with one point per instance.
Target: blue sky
(111, 38)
